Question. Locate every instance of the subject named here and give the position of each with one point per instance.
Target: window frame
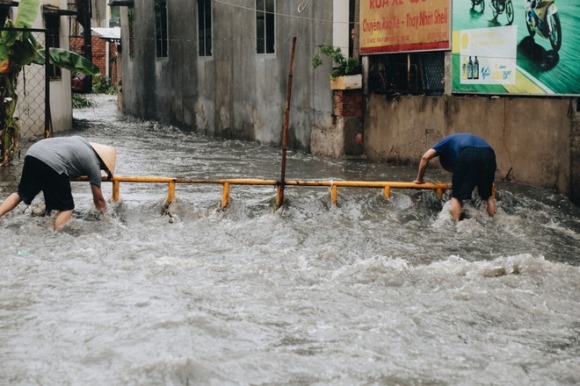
(52, 26)
(161, 29)
(204, 32)
(265, 27)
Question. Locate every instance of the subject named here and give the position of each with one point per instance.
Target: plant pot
(346, 82)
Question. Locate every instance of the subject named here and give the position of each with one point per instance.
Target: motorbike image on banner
(540, 60)
(498, 7)
(503, 6)
(542, 17)
(478, 5)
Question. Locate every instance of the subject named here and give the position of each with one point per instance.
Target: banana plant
(19, 48)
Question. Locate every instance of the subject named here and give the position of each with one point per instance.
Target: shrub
(103, 85)
(344, 65)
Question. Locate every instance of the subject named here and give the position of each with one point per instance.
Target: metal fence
(32, 110)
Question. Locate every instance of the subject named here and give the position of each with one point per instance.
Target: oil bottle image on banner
(469, 68)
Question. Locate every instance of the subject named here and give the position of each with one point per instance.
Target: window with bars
(265, 28)
(420, 73)
(204, 26)
(52, 25)
(161, 39)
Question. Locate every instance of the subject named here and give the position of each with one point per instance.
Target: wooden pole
(280, 193)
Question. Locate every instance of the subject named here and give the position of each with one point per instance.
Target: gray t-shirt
(73, 156)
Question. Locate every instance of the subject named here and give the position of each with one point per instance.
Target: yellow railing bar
(334, 185)
(333, 193)
(225, 194)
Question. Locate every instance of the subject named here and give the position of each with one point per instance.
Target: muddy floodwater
(365, 292)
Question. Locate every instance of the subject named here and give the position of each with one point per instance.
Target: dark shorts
(475, 167)
(38, 176)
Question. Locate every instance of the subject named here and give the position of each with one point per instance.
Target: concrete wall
(575, 154)
(236, 92)
(99, 14)
(60, 89)
(344, 137)
(531, 136)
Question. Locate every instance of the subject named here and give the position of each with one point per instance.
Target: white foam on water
(371, 291)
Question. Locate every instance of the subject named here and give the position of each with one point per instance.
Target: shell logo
(464, 41)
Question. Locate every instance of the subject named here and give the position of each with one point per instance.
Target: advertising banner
(524, 47)
(404, 25)
(488, 56)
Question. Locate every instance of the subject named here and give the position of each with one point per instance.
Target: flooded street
(366, 292)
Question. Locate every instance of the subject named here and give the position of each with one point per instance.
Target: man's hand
(98, 199)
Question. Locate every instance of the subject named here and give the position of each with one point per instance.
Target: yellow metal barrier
(226, 184)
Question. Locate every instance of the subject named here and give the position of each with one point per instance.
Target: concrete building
(59, 18)
(221, 67)
(32, 89)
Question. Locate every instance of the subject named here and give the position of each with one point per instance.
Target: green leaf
(27, 13)
(24, 52)
(4, 52)
(70, 60)
(341, 65)
(9, 36)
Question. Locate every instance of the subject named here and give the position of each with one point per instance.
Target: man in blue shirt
(472, 164)
(49, 166)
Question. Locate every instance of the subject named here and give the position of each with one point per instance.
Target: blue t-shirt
(449, 148)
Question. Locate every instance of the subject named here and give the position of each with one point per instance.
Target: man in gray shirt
(50, 165)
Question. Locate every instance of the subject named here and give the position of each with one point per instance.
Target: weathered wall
(344, 136)
(575, 154)
(99, 15)
(531, 136)
(235, 93)
(60, 89)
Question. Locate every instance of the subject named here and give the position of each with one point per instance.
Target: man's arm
(431, 153)
(98, 199)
